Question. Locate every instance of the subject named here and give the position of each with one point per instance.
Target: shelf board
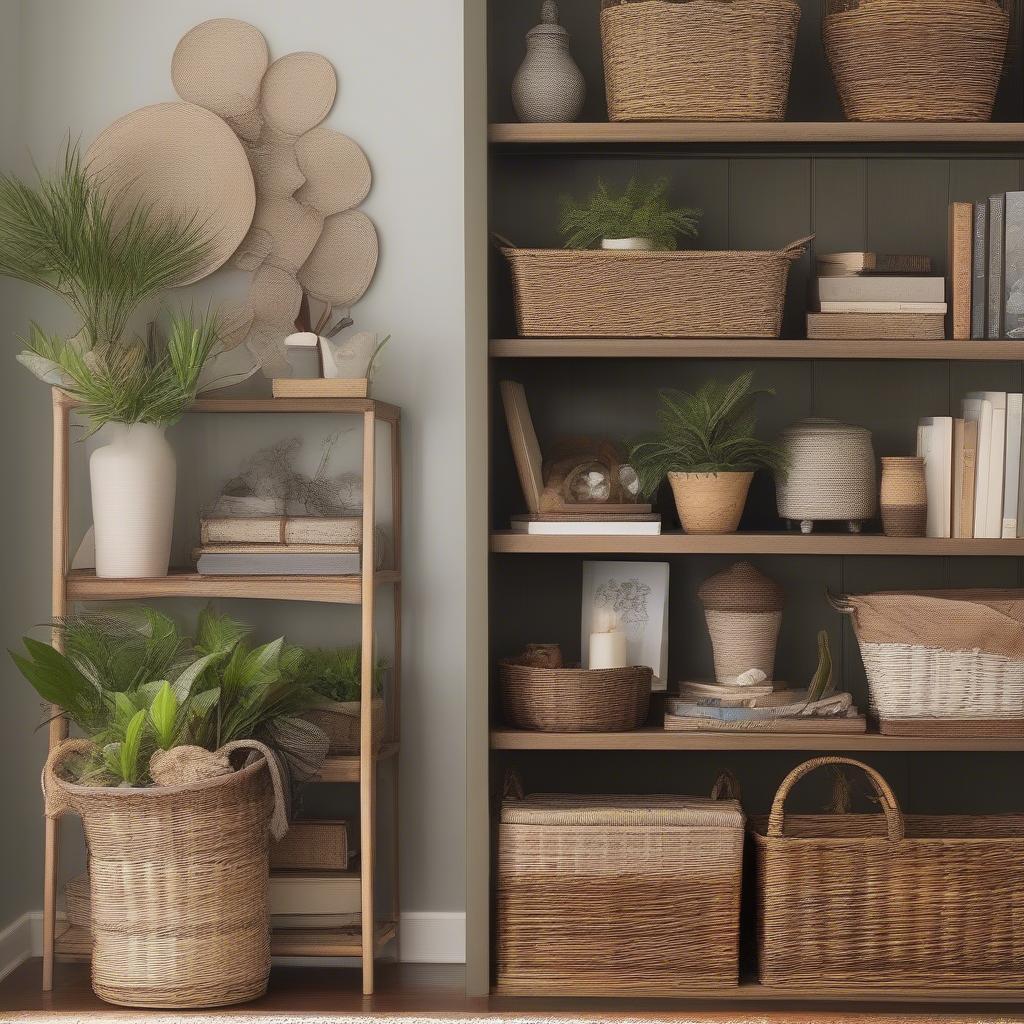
(345, 768)
(84, 585)
(733, 132)
(779, 543)
(751, 348)
(655, 738)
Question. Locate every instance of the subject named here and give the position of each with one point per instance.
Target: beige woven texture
(340, 720)
(78, 902)
(698, 61)
(742, 641)
(624, 294)
(876, 326)
(312, 846)
(741, 588)
(573, 699)
(335, 169)
(178, 885)
(904, 497)
(710, 503)
(298, 92)
(342, 263)
(606, 902)
(928, 901)
(916, 60)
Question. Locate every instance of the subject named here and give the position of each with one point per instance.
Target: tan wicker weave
(912, 902)
(340, 720)
(312, 846)
(178, 885)
(636, 894)
(574, 699)
(698, 61)
(632, 293)
(78, 903)
(916, 60)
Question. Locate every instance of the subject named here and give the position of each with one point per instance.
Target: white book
(883, 288)
(314, 892)
(587, 528)
(979, 411)
(935, 446)
(883, 307)
(1011, 478)
(994, 465)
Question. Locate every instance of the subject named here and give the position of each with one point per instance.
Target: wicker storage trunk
(340, 720)
(886, 901)
(702, 60)
(943, 663)
(618, 895)
(650, 294)
(312, 846)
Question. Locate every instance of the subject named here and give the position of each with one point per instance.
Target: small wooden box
(320, 387)
(312, 846)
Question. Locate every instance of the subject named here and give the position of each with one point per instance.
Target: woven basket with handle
(916, 60)
(178, 883)
(698, 60)
(650, 294)
(888, 901)
(340, 720)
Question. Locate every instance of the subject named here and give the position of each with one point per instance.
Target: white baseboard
(427, 937)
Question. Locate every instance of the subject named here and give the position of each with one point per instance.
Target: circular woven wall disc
(219, 65)
(274, 298)
(341, 265)
(293, 230)
(336, 170)
(298, 92)
(182, 161)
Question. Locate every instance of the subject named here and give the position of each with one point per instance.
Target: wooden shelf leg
(396, 685)
(50, 869)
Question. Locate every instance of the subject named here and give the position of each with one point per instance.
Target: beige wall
(399, 64)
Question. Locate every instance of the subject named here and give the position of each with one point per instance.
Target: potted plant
(179, 786)
(639, 218)
(706, 446)
(335, 674)
(74, 237)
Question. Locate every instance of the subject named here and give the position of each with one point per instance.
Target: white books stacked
(935, 446)
(552, 526)
(888, 293)
(314, 899)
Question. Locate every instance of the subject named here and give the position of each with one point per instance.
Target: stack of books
(986, 267)
(298, 899)
(973, 468)
(870, 295)
(279, 546)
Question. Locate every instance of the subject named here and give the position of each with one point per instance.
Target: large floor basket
(889, 901)
(644, 294)
(698, 61)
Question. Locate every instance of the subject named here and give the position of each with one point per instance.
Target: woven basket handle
(726, 787)
(55, 799)
(279, 818)
(796, 249)
(890, 805)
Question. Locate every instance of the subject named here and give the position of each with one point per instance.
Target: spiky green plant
(641, 211)
(708, 431)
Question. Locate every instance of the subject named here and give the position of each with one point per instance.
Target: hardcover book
(884, 307)
(959, 269)
(979, 260)
(935, 446)
(281, 530)
(1013, 267)
(1011, 471)
(979, 412)
(839, 263)
(881, 289)
(996, 241)
(272, 564)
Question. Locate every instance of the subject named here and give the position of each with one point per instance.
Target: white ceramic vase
(645, 244)
(133, 480)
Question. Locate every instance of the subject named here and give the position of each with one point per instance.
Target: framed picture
(636, 594)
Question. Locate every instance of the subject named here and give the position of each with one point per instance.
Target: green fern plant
(336, 673)
(641, 211)
(708, 431)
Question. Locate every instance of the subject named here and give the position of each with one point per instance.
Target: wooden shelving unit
(71, 586)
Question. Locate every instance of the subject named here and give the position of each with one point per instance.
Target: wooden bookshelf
(752, 348)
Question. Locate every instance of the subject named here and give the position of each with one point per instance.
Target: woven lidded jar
(743, 611)
(830, 474)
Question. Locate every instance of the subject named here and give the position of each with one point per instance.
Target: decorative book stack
(871, 295)
(279, 546)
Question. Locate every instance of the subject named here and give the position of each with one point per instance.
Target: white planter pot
(628, 243)
(133, 479)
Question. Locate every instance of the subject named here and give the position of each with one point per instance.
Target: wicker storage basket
(178, 885)
(618, 894)
(312, 846)
(887, 901)
(340, 720)
(916, 60)
(574, 699)
(943, 663)
(650, 294)
(77, 902)
(702, 60)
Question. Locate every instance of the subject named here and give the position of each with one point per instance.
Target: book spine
(1011, 484)
(979, 258)
(997, 469)
(957, 472)
(1013, 267)
(241, 531)
(996, 225)
(323, 531)
(959, 270)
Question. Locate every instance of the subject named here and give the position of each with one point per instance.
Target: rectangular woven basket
(312, 845)
(650, 294)
(885, 901)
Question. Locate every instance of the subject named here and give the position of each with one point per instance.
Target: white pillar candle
(608, 646)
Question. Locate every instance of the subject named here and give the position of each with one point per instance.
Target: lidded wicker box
(636, 894)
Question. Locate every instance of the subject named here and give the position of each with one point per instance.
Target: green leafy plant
(641, 211)
(335, 673)
(708, 431)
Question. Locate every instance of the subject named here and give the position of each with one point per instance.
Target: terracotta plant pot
(710, 502)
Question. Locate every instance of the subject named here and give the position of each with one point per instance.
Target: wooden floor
(437, 990)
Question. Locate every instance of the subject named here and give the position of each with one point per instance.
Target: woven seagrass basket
(178, 885)
(916, 60)
(77, 902)
(319, 845)
(340, 720)
(888, 901)
(650, 294)
(701, 60)
(574, 699)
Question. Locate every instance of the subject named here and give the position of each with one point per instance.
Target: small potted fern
(638, 218)
(705, 446)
